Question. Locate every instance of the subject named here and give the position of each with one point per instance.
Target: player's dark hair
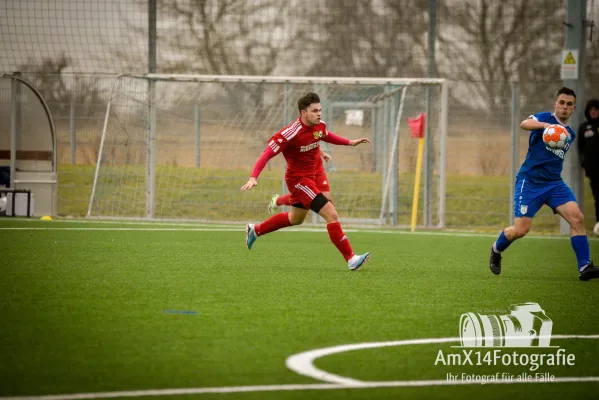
(567, 91)
(304, 102)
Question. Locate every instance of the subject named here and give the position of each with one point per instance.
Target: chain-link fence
(71, 50)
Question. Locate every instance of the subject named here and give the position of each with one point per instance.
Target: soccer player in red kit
(322, 183)
(299, 143)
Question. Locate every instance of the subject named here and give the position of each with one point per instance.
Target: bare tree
(364, 38)
(226, 37)
(491, 43)
(60, 89)
(220, 37)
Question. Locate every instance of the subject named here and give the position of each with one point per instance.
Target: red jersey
(319, 163)
(300, 145)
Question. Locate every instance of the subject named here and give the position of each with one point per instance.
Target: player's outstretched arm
(266, 155)
(356, 142)
(341, 141)
(531, 124)
(250, 184)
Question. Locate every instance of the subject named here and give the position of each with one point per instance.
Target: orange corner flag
(417, 124)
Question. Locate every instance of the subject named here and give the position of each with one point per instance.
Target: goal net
(179, 147)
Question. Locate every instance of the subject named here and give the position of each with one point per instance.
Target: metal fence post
(515, 114)
(72, 132)
(196, 130)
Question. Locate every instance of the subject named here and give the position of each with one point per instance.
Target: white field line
(21, 228)
(289, 387)
(124, 222)
(303, 363)
(317, 386)
(232, 228)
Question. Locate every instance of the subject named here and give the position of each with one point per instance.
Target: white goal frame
(151, 164)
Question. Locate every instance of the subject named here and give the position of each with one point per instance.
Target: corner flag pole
(417, 125)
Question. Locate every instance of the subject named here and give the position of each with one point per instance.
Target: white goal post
(178, 147)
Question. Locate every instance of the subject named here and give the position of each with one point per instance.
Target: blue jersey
(543, 163)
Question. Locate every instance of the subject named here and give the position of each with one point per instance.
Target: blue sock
(580, 244)
(502, 243)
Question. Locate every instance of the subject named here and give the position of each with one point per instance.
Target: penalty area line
(116, 229)
(303, 363)
(305, 359)
(216, 228)
(288, 387)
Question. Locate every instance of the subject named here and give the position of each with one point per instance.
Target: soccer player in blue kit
(539, 182)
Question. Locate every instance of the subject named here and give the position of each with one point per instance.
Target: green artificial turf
(100, 307)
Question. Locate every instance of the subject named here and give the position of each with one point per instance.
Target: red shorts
(321, 181)
(303, 191)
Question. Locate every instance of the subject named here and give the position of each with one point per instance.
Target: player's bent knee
(521, 232)
(297, 215)
(332, 217)
(319, 201)
(296, 221)
(577, 220)
(329, 213)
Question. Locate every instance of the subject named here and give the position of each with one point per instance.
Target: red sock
(274, 223)
(340, 240)
(283, 200)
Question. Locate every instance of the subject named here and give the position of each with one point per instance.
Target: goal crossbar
(290, 79)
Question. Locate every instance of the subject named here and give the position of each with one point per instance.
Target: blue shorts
(529, 197)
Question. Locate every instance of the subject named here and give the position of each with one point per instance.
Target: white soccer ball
(562, 140)
(556, 136)
(596, 229)
(2, 204)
